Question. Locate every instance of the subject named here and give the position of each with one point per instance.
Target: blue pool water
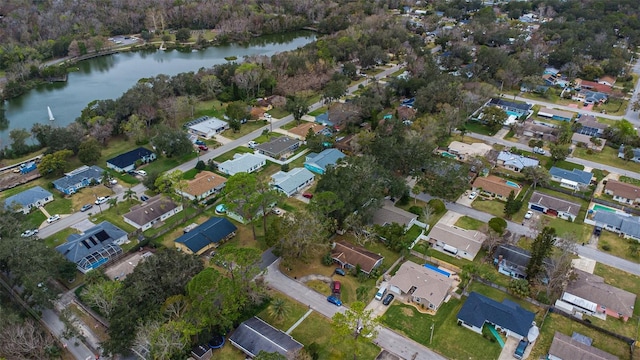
(597, 207)
(512, 113)
(512, 184)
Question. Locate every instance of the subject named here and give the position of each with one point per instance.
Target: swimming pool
(512, 184)
(448, 155)
(509, 112)
(597, 207)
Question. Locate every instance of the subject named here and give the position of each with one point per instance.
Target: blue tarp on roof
(479, 309)
(212, 231)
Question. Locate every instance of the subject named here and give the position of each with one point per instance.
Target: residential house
(507, 316)
(350, 256)
(290, 183)
(564, 347)
(586, 141)
(201, 352)
(254, 335)
(242, 163)
(421, 285)
(323, 119)
(152, 211)
(278, 148)
(590, 126)
(389, 214)
(206, 126)
(590, 97)
(465, 152)
(592, 86)
(301, 131)
(589, 294)
(512, 261)
(406, 112)
(556, 114)
(95, 247)
(577, 180)
(127, 161)
(495, 187)
(78, 179)
(29, 199)
(622, 192)
(455, 241)
(554, 206)
(607, 80)
(515, 162)
(318, 163)
(206, 236)
(620, 223)
(203, 185)
(343, 143)
(539, 130)
(511, 107)
(636, 154)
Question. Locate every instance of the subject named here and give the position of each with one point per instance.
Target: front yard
(469, 223)
(617, 246)
(608, 156)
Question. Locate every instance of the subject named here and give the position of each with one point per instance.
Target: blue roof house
(29, 199)
(127, 161)
(515, 162)
(574, 180)
(95, 247)
(624, 224)
(324, 119)
(507, 316)
(318, 163)
(289, 183)
(636, 154)
(206, 236)
(78, 178)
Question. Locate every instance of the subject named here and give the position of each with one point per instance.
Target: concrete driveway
(450, 218)
(464, 199)
(509, 348)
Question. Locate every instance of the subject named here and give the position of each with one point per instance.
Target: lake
(108, 77)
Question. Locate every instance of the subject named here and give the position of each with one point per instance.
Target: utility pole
(431, 338)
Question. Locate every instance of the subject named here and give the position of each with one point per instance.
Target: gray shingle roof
(241, 163)
(278, 145)
(255, 335)
(564, 347)
(76, 176)
(150, 210)
(627, 224)
(479, 309)
(27, 197)
(579, 176)
(213, 230)
(290, 181)
(517, 161)
(554, 203)
(92, 244)
(129, 158)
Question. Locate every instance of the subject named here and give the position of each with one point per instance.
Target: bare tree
(24, 340)
(559, 269)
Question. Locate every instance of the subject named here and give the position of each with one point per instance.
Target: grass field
(60, 237)
(469, 223)
(618, 246)
(493, 207)
(245, 129)
(608, 156)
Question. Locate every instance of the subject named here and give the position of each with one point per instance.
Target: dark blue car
(334, 300)
(522, 346)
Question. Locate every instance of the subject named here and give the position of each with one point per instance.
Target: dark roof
(129, 158)
(479, 309)
(278, 145)
(579, 176)
(213, 230)
(255, 335)
(513, 254)
(76, 176)
(554, 203)
(152, 209)
(93, 245)
(511, 104)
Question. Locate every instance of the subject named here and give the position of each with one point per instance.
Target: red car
(203, 147)
(308, 195)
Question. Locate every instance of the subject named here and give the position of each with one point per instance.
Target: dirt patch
(9, 179)
(319, 286)
(407, 312)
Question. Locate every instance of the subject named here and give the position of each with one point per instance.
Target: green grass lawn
(295, 311)
(60, 237)
(114, 214)
(555, 322)
(629, 180)
(245, 129)
(449, 339)
(478, 128)
(59, 205)
(319, 111)
(190, 174)
(229, 154)
(563, 164)
(33, 220)
(163, 163)
(608, 156)
(278, 113)
(617, 246)
(469, 223)
(493, 207)
(172, 222)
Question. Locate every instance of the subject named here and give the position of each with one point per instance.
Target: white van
(381, 292)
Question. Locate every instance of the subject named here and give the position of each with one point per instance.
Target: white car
(29, 233)
(528, 215)
(53, 218)
(101, 200)
(473, 195)
(142, 173)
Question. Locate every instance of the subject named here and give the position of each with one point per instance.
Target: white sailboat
(51, 118)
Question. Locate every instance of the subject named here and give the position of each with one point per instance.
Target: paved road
(69, 220)
(634, 116)
(578, 109)
(80, 351)
(584, 162)
(387, 339)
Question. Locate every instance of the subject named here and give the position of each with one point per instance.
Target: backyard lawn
(469, 223)
(449, 339)
(616, 246)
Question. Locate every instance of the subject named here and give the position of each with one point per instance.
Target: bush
(438, 206)
(284, 167)
(416, 210)
(327, 260)
(404, 200)
(606, 247)
(201, 165)
(498, 225)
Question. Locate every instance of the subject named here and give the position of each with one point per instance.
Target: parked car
(86, 207)
(141, 173)
(277, 211)
(252, 144)
(203, 147)
(473, 195)
(144, 198)
(336, 287)
(528, 215)
(53, 218)
(334, 300)
(307, 195)
(522, 346)
(539, 150)
(387, 299)
(29, 233)
(113, 181)
(340, 271)
(101, 200)
(200, 142)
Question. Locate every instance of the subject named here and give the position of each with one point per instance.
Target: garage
(395, 290)
(536, 208)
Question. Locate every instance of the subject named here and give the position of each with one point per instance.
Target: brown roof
(564, 347)
(591, 121)
(592, 85)
(494, 185)
(203, 182)
(610, 79)
(150, 210)
(624, 190)
(303, 129)
(354, 255)
(429, 284)
(465, 240)
(592, 288)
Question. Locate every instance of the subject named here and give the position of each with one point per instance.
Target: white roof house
(242, 163)
(293, 181)
(515, 162)
(207, 127)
